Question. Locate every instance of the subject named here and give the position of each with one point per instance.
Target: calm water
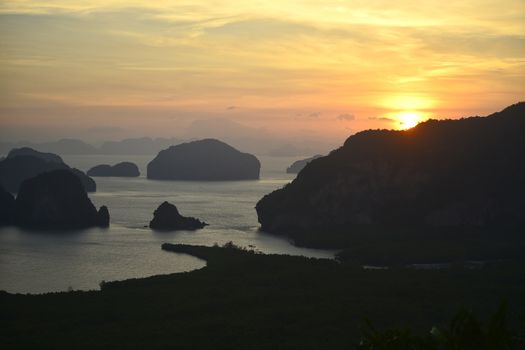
(36, 262)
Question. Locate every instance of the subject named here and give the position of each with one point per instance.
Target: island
(57, 200)
(24, 163)
(297, 166)
(27, 151)
(168, 218)
(204, 160)
(123, 169)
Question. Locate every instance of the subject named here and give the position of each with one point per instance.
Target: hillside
(444, 176)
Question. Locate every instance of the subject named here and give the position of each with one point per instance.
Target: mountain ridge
(448, 173)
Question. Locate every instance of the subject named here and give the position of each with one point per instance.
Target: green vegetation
(246, 300)
(464, 332)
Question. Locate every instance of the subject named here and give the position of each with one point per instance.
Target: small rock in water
(167, 217)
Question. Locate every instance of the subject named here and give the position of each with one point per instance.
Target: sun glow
(408, 120)
(408, 110)
(408, 102)
(312, 69)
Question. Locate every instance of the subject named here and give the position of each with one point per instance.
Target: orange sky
(327, 68)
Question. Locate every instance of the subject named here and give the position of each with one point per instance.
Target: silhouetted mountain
(167, 217)
(68, 146)
(123, 169)
(26, 151)
(16, 168)
(57, 200)
(297, 166)
(440, 174)
(144, 145)
(203, 160)
(7, 207)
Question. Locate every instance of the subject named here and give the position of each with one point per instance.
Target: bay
(40, 262)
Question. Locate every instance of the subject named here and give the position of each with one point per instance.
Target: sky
(314, 69)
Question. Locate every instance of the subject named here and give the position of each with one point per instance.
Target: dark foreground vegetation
(411, 246)
(245, 300)
(464, 332)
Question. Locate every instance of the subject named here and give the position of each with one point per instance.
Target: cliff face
(56, 200)
(24, 163)
(451, 173)
(204, 160)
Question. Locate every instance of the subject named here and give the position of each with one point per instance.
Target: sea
(38, 262)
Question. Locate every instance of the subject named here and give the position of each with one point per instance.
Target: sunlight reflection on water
(38, 262)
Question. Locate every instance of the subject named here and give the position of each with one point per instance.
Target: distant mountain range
(143, 145)
(63, 146)
(150, 146)
(248, 139)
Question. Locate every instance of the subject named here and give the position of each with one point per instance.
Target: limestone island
(123, 169)
(204, 160)
(57, 200)
(24, 163)
(168, 218)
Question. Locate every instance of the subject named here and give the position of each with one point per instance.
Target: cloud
(292, 56)
(384, 119)
(307, 115)
(345, 117)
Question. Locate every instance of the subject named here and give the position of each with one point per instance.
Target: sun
(408, 110)
(408, 120)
